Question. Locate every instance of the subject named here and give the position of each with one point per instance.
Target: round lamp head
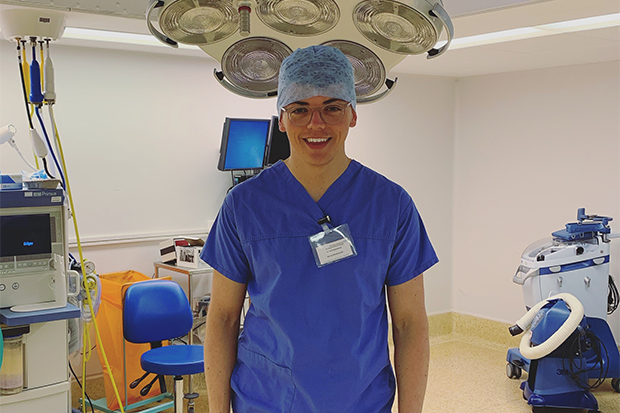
(253, 64)
(199, 22)
(299, 17)
(397, 27)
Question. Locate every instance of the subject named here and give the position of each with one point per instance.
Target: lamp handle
(439, 12)
(370, 99)
(239, 91)
(158, 35)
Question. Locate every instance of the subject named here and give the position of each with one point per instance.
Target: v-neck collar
(318, 209)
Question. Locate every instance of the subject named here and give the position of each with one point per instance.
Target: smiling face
(318, 143)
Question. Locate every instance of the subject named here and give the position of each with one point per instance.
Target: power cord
(80, 384)
(576, 353)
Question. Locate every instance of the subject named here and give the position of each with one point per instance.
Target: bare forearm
(220, 359)
(411, 360)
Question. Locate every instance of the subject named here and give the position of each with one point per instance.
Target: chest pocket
(260, 386)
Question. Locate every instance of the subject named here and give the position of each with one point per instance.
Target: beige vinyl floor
(465, 377)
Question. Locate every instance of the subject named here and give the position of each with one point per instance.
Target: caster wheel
(615, 383)
(512, 371)
(190, 409)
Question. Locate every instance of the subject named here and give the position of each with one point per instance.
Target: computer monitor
(244, 142)
(278, 144)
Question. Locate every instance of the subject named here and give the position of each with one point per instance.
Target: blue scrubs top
(315, 339)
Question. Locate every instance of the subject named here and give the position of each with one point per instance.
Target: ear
(353, 118)
(281, 124)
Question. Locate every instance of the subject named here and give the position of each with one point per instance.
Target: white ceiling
(470, 17)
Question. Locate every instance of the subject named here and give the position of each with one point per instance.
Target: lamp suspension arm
(370, 99)
(154, 4)
(439, 12)
(235, 89)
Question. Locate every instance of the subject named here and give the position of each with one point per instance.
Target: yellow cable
(86, 286)
(26, 71)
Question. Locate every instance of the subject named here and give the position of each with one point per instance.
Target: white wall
(530, 148)
(141, 135)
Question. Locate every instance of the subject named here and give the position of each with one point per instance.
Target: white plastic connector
(50, 92)
(37, 143)
(6, 133)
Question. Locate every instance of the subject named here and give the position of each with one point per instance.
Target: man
(316, 240)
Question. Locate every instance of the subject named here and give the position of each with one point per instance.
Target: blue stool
(155, 311)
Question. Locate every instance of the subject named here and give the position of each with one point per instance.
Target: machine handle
(520, 276)
(73, 276)
(439, 12)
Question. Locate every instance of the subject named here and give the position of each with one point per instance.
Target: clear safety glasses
(331, 113)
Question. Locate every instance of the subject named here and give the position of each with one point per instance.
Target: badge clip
(331, 245)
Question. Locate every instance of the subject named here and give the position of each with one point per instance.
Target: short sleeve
(412, 253)
(223, 250)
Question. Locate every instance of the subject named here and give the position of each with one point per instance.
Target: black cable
(576, 370)
(199, 325)
(21, 74)
(613, 298)
(80, 384)
(47, 171)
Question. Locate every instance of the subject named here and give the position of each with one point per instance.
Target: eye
(332, 109)
(299, 111)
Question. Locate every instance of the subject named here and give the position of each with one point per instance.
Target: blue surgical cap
(316, 71)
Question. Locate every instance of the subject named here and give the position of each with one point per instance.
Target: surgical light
(253, 64)
(400, 28)
(299, 17)
(251, 38)
(199, 22)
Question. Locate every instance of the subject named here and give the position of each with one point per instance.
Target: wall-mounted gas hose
(560, 336)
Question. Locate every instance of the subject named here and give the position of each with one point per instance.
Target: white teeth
(317, 140)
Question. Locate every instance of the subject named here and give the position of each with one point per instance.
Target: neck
(317, 179)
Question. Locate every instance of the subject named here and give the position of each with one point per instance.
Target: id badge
(332, 245)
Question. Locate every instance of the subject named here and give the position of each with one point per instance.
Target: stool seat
(180, 360)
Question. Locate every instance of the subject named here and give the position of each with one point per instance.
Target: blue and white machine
(568, 347)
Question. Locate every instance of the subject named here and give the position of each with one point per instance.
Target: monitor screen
(244, 142)
(25, 235)
(278, 144)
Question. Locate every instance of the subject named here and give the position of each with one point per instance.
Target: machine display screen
(244, 142)
(279, 146)
(22, 235)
